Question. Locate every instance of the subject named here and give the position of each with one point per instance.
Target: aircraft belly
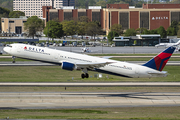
(119, 71)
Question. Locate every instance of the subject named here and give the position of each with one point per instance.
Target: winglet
(161, 59)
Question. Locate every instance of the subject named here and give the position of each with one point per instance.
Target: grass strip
(164, 113)
(56, 74)
(88, 89)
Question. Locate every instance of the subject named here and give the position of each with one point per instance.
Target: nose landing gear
(13, 57)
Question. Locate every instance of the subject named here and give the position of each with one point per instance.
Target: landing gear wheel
(13, 61)
(87, 75)
(83, 76)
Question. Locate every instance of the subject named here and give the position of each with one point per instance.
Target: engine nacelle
(68, 66)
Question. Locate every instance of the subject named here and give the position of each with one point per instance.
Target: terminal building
(150, 16)
(14, 25)
(94, 13)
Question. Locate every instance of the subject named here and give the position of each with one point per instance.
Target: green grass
(163, 113)
(56, 74)
(89, 89)
(10, 59)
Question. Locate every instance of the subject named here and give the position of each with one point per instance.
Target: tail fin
(161, 59)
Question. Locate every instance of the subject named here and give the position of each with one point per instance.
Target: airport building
(14, 25)
(150, 16)
(34, 7)
(94, 13)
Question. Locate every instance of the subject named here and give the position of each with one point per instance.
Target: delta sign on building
(150, 16)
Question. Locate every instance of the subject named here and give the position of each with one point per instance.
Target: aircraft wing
(92, 65)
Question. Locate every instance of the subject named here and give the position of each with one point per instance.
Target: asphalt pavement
(44, 100)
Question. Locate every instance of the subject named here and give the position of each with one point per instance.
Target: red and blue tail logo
(160, 60)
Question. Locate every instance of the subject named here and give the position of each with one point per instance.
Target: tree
(111, 1)
(174, 25)
(4, 10)
(70, 27)
(155, 1)
(139, 3)
(16, 14)
(171, 31)
(84, 3)
(83, 19)
(54, 29)
(130, 32)
(3, 13)
(92, 29)
(6, 4)
(178, 32)
(101, 3)
(121, 2)
(111, 35)
(33, 25)
(162, 32)
(155, 31)
(141, 30)
(175, 2)
(117, 28)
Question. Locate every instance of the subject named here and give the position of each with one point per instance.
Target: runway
(41, 100)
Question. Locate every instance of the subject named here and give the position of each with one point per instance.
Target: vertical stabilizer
(161, 59)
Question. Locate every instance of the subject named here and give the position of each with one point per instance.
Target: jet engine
(68, 66)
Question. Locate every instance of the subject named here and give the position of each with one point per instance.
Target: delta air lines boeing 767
(74, 61)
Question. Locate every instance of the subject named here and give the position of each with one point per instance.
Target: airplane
(74, 61)
(177, 49)
(167, 44)
(84, 50)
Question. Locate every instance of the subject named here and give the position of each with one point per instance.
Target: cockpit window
(8, 45)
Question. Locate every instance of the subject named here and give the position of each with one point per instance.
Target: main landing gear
(84, 74)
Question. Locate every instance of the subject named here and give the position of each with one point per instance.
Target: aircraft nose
(6, 49)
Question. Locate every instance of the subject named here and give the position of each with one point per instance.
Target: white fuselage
(57, 56)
